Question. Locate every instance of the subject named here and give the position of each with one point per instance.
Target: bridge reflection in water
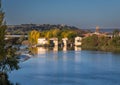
(43, 50)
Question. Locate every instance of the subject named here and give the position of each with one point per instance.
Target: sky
(79, 13)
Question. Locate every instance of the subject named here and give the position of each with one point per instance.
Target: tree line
(53, 33)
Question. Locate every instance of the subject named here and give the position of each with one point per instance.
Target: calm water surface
(69, 68)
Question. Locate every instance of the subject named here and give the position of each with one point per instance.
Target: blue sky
(80, 13)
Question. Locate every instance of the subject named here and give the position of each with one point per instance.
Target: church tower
(97, 29)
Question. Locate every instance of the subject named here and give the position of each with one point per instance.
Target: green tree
(8, 60)
(102, 41)
(116, 33)
(3, 27)
(115, 41)
(90, 42)
(21, 39)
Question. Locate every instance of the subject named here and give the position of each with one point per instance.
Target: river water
(75, 67)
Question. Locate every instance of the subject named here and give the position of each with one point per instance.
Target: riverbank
(103, 48)
(102, 43)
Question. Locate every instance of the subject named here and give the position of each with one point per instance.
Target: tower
(97, 29)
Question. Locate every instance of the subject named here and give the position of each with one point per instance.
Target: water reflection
(77, 48)
(77, 55)
(55, 48)
(41, 50)
(65, 48)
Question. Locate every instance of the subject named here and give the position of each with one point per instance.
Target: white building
(42, 41)
(78, 41)
(65, 41)
(55, 41)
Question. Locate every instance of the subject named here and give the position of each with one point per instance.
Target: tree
(116, 33)
(8, 60)
(55, 32)
(3, 27)
(90, 42)
(33, 36)
(21, 39)
(115, 41)
(48, 34)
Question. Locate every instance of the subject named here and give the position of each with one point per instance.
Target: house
(42, 41)
(54, 41)
(78, 41)
(65, 41)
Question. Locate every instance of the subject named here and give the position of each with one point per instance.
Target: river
(73, 67)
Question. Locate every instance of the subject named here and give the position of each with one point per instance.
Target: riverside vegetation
(93, 42)
(53, 33)
(102, 43)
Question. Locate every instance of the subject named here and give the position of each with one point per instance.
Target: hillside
(25, 28)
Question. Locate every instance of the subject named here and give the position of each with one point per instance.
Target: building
(54, 41)
(51, 41)
(65, 41)
(97, 32)
(78, 41)
(42, 41)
